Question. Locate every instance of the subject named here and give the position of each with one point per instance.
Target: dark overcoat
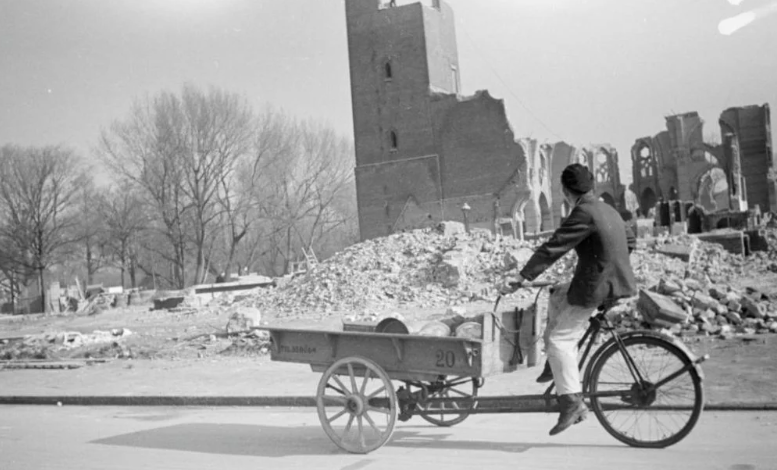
(603, 242)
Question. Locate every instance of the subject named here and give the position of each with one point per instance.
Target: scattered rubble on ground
(52, 345)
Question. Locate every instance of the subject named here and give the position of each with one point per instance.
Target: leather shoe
(573, 411)
(546, 375)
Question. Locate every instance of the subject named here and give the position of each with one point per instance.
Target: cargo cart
(645, 388)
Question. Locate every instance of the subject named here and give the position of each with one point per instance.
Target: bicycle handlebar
(517, 285)
(533, 284)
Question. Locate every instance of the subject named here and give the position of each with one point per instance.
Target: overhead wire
(484, 57)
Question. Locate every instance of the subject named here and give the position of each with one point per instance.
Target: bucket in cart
(392, 325)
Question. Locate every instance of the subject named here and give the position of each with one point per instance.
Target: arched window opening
(393, 140)
(389, 73)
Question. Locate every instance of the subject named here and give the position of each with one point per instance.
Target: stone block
(449, 228)
(452, 268)
(243, 319)
(717, 293)
(668, 287)
(659, 310)
(516, 259)
(675, 251)
(693, 284)
(733, 297)
(733, 317)
(704, 302)
(752, 308)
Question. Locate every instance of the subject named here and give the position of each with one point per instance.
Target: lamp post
(464, 210)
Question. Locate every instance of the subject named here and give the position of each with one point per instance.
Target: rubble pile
(717, 309)
(446, 266)
(422, 268)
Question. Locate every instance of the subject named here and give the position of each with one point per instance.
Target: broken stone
(704, 302)
(710, 328)
(668, 287)
(734, 306)
(752, 308)
(449, 228)
(693, 284)
(516, 259)
(733, 317)
(675, 251)
(733, 297)
(717, 294)
(456, 311)
(243, 319)
(659, 310)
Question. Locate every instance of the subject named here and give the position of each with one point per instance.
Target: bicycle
(635, 378)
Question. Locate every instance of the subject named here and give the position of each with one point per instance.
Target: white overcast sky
(583, 71)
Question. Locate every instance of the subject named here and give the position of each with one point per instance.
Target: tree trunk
(132, 272)
(12, 281)
(88, 264)
(44, 304)
(123, 259)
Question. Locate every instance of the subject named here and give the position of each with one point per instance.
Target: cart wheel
(359, 410)
(458, 387)
(641, 416)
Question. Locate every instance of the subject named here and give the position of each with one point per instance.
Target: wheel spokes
(642, 414)
(361, 432)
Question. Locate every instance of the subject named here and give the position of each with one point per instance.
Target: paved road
(108, 438)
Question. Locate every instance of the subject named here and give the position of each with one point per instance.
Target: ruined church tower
(424, 152)
(397, 56)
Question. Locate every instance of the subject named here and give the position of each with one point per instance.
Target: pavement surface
(109, 438)
(236, 381)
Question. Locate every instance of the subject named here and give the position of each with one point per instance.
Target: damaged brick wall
(423, 151)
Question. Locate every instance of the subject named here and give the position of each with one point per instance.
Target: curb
(282, 401)
(266, 401)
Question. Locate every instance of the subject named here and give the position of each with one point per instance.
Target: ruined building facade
(424, 153)
(735, 175)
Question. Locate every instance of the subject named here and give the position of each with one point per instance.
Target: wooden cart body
(409, 356)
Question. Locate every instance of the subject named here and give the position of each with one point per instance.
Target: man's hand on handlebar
(511, 284)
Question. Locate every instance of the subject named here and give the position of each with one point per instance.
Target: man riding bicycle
(603, 274)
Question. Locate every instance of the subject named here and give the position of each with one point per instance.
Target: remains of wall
(424, 153)
(731, 176)
(750, 129)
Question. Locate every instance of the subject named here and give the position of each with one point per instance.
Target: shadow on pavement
(276, 441)
(230, 439)
(419, 440)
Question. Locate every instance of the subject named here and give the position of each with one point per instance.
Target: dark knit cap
(578, 178)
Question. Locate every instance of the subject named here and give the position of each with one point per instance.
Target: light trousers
(566, 325)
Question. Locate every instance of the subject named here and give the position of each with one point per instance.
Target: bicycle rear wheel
(640, 414)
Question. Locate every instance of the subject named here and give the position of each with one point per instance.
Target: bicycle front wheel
(651, 411)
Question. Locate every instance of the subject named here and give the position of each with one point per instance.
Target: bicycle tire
(447, 420)
(643, 411)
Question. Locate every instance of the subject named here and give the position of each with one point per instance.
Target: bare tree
(302, 191)
(38, 203)
(180, 149)
(91, 229)
(124, 215)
